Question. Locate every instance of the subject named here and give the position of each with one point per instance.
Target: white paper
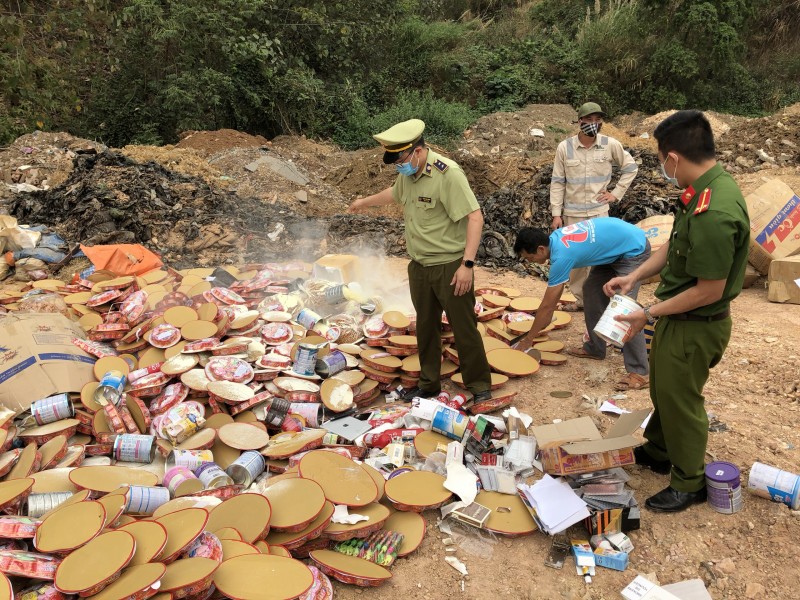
(422, 408)
(556, 504)
(691, 589)
(341, 515)
(462, 482)
(525, 418)
(644, 589)
(646, 421)
(797, 282)
(612, 409)
(456, 564)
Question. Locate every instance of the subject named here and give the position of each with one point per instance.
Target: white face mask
(673, 180)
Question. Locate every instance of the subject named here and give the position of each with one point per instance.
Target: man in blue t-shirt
(612, 248)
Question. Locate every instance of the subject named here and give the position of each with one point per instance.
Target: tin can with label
(307, 318)
(306, 359)
(38, 504)
(52, 408)
(449, 422)
(277, 411)
(191, 459)
(247, 467)
(212, 476)
(334, 362)
(335, 294)
(145, 499)
(110, 389)
(136, 448)
(139, 373)
(175, 477)
(310, 411)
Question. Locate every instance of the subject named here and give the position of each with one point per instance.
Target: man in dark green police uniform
(702, 270)
(443, 225)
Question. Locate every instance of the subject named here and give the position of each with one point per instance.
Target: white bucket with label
(779, 486)
(612, 331)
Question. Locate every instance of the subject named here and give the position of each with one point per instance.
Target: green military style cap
(590, 108)
(399, 138)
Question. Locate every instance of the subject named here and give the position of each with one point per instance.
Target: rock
(763, 156)
(302, 196)
(789, 143)
(743, 162)
(754, 590)
(726, 565)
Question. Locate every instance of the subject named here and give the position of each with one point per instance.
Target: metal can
(212, 476)
(306, 359)
(52, 408)
(307, 318)
(277, 411)
(371, 305)
(135, 448)
(110, 389)
(335, 294)
(334, 362)
(191, 459)
(310, 411)
(247, 467)
(449, 422)
(145, 499)
(38, 504)
(175, 477)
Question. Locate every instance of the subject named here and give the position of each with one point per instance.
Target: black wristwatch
(469, 263)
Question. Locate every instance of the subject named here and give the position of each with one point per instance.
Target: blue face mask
(673, 180)
(406, 169)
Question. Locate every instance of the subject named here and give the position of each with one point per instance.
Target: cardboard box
(611, 559)
(38, 359)
(774, 224)
(784, 280)
(339, 268)
(613, 520)
(576, 446)
(657, 230)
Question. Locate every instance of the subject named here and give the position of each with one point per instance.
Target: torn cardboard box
(784, 280)
(339, 268)
(576, 446)
(774, 224)
(38, 359)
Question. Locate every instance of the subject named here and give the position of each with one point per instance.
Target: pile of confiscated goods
(223, 430)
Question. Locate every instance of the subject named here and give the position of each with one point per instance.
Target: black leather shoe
(671, 500)
(416, 392)
(643, 459)
(481, 397)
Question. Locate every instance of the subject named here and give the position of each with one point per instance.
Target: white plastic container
(612, 331)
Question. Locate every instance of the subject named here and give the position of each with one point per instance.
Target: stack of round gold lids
(98, 562)
(349, 569)
(247, 577)
(107, 479)
(411, 525)
(135, 582)
(509, 515)
(70, 527)
(342, 480)
(249, 514)
(151, 538)
(183, 526)
(513, 363)
(427, 442)
(417, 490)
(293, 539)
(295, 503)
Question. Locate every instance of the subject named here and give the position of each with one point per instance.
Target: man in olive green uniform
(702, 270)
(443, 225)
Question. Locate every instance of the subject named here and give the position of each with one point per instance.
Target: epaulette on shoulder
(440, 165)
(703, 202)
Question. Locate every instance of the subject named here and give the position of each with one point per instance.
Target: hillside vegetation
(143, 71)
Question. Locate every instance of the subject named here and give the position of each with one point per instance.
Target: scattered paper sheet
(456, 564)
(462, 482)
(341, 515)
(611, 408)
(525, 418)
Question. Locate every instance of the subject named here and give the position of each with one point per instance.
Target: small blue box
(611, 559)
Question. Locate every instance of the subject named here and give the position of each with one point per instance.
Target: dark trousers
(431, 294)
(681, 356)
(595, 301)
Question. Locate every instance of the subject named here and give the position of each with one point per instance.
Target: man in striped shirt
(581, 176)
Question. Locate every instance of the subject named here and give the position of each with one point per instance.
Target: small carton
(576, 446)
(612, 520)
(38, 358)
(784, 280)
(774, 223)
(339, 268)
(611, 559)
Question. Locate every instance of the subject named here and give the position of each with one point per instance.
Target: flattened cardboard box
(576, 446)
(38, 359)
(784, 280)
(339, 268)
(774, 224)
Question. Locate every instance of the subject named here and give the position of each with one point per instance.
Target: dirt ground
(745, 555)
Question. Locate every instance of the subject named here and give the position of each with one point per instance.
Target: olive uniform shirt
(435, 202)
(709, 240)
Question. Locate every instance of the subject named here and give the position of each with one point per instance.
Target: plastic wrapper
(30, 269)
(44, 303)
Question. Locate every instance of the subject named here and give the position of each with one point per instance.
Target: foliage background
(142, 71)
